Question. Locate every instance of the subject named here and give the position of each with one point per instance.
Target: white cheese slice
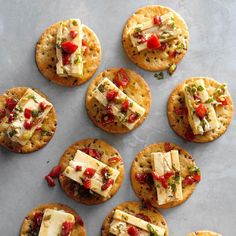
(101, 97)
(137, 222)
(86, 161)
(75, 67)
(30, 100)
(52, 222)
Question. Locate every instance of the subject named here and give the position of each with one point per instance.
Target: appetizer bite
(164, 175)
(134, 218)
(92, 171)
(200, 109)
(27, 120)
(155, 38)
(68, 53)
(118, 100)
(53, 219)
(204, 233)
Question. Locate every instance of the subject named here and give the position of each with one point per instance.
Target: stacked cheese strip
(210, 122)
(165, 31)
(86, 161)
(52, 222)
(75, 66)
(30, 100)
(163, 163)
(122, 221)
(134, 108)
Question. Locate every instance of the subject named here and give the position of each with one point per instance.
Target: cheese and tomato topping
(126, 224)
(153, 34)
(91, 173)
(27, 115)
(166, 175)
(56, 222)
(70, 48)
(118, 104)
(201, 112)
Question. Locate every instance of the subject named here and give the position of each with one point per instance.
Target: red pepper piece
(201, 111)
(92, 152)
(114, 160)
(2, 113)
(160, 179)
(121, 79)
(65, 59)
(28, 124)
(78, 168)
(37, 221)
(111, 95)
(224, 102)
(173, 54)
(50, 181)
(55, 172)
(107, 184)
(196, 97)
(133, 117)
(10, 103)
(11, 117)
(73, 34)
(188, 180)
(27, 113)
(143, 217)
(42, 106)
(89, 172)
(79, 220)
(69, 47)
(87, 183)
(157, 20)
(181, 111)
(66, 228)
(168, 175)
(197, 177)
(105, 173)
(108, 118)
(84, 42)
(125, 105)
(133, 231)
(109, 109)
(163, 46)
(153, 42)
(167, 146)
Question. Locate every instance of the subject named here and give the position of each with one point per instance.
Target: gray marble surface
(212, 53)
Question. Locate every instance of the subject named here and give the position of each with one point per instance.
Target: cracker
(78, 230)
(75, 190)
(38, 140)
(135, 208)
(153, 60)
(142, 163)
(204, 233)
(181, 125)
(46, 56)
(137, 89)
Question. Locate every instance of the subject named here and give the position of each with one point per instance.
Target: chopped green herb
(34, 113)
(180, 46)
(172, 69)
(152, 231)
(12, 133)
(101, 88)
(137, 29)
(200, 88)
(209, 100)
(74, 22)
(124, 217)
(194, 169)
(45, 132)
(159, 75)
(58, 46)
(18, 109)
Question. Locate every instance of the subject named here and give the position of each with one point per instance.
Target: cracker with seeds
(150, 215)
(32, 222)
(204, 233)
(219, 104)
(99, 151)
(46, 56)
(43, 127)
(155, 38)
(110, 115)
(143, 181)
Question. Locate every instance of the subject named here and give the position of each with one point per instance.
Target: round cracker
(75, 190)
(153, 60)
(135, 208)
(181, 125)
(204, 233)
(46, 56)
(142, 163)
(78, 230)
(137, 89)
(38, 140)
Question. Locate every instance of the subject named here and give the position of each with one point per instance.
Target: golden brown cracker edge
(69, 186)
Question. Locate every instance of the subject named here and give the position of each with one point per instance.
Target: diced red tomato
(125, 105)
(133, 117)
(108, 119)
(27, 113)
(11, 117)
(10, 103)
(111, 95)
(65, 59)
(143, 217)
(157, 20)
(28, 124)
(153, 42)
(78, 168)
(121, 78)
(2, 113)
(114, 160)
(201, 111)
(160, 179)
(66, 228)
(105, 173)
(197, 177)
(133, 231)
(50, 181)
(181, 111)
(168, 174)
(224, 102)
(55, 172)
(189, 136)
(107, 184)
(69, 47)
(84, 42)
(87, 183)
(173, 54)
(73, 33)
(37, 221)
(92, 152)
(89, 172)
(79, 220)
(42, 106)
(188, 180)
(196, 97)
(167, 147)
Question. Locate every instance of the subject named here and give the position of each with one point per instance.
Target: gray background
(212, 53)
